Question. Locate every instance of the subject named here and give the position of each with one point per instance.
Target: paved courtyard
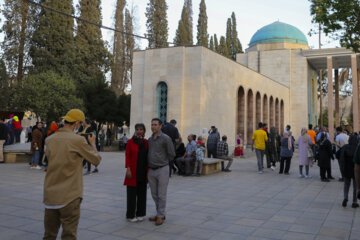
(236, 205)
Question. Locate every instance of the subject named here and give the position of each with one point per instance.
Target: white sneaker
(260, 172)
(301, 176)
(140, 219)
(32, 167)
(132, 219)
(38, 168)
(308, 176)
(273, 168)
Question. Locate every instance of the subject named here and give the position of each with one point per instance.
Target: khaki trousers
(2, 150)
(68, 217)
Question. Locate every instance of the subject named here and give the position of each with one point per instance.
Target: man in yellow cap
(63, 185)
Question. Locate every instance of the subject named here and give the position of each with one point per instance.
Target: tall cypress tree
(130, 45)
(93, 58)
(228, 35)
(236, 46)
(202, 34)
(52, 44)
(118, 66)
(157, 23)
(216, 43)
(18, 27)
(223, 48)
(184, 33)
(212, 47)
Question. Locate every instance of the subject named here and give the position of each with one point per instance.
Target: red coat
(131, 157)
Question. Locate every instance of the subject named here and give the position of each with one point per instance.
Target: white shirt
(341, 139)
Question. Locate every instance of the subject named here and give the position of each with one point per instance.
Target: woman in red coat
(136, 174)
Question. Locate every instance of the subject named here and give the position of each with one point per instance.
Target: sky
(251, 15)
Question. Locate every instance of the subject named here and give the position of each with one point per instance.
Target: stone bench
(17, 156)
(211, 165)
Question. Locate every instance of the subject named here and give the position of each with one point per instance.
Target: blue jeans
(35, 158)
(260, 158)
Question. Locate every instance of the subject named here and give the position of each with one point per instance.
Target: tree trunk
(24, 16)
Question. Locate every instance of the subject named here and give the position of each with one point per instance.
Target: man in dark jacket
(3, 138)
(171, 130)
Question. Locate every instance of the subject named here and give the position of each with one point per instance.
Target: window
(162, 101)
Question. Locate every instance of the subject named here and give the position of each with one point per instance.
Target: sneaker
(132, 219)
(32, 167)
(308, 176)
(87, 173)
(273, 168)
(260, 172)
(37, 168)
(95, 170)
(325, 180)
(198, 175)
(301, 176)
(140, 219)
(286, 173)
(344, 202)
(227, 170)
(193, 174)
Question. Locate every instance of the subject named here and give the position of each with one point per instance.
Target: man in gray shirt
(161, 152)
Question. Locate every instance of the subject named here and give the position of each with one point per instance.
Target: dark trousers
(68, 217)
(17, 135)
(136, 201)
(325, 172)
(347, 183)
(285, 161)
(88, 165)
(211, 153)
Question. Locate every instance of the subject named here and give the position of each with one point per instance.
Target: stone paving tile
(236, 205)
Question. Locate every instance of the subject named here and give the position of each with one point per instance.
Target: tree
(157, 23)
(212, 47)
(223, 49)
(52, 44)
(340, 19)
(202, 34)
(130, 46)
(118, 66)
(228, 36)
(184, 33)
(48, 94)
(216, 43)
(6, 92)
(18, 28)
(235, 42)
(123, 109)
(93, 59)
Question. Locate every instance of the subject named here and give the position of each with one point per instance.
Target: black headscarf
(141, 169)
(353, 142)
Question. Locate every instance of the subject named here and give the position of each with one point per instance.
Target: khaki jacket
(65, 151)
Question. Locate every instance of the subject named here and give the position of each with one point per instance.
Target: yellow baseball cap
(74, 115)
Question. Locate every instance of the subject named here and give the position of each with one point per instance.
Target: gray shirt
(161, 150)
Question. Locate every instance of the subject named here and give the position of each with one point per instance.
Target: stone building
(274, 81)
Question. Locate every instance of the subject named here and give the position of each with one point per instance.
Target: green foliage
(223, 49)
(6, 92)
(216, 43)
(157, 23)
(93, 59)
(202, 33)
(123, 109)
(52, 45)
(48, 94)
(212, 47)
(228, 35)
(340, 19)
(232, 41)
(184, 33)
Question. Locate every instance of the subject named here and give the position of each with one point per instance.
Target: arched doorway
(277, 114)
(282, 120)
(265, 110)
(258, 108)
(162, 102)
(241, 112)
(250, 116)
(272, 119)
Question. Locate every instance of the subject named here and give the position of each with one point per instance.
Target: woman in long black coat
(346, 156)
(325, 155)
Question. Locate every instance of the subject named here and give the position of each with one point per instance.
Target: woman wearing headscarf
(179, 150)
(53, 129)
(305, 143)
(346, 156)
(136, 174)
(274, 147)
(325, 154)
(286, 152)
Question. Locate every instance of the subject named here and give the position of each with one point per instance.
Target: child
(200, 153)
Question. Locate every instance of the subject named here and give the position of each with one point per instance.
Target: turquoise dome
(278, 32)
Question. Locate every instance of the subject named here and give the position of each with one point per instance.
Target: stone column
(245, 117)
(337, 98)
(330, 98)
(355, 87)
